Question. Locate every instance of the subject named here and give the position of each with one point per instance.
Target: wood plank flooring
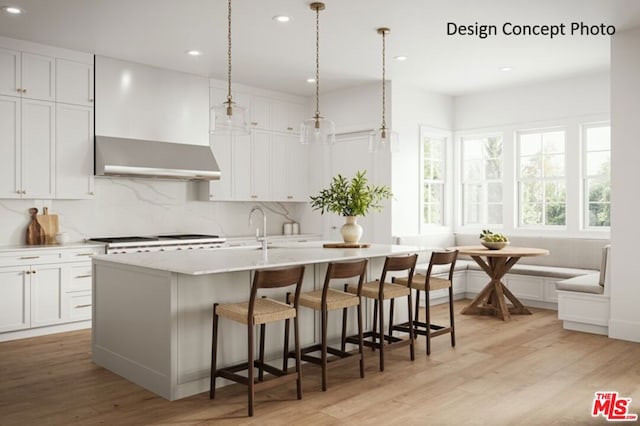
(529, 371)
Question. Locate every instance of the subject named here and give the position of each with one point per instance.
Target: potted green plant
(351, 198)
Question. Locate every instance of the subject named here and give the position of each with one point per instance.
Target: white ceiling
(281, 56)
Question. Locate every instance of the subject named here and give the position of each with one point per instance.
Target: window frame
(584, 177)
(446, 158)
(543, 180)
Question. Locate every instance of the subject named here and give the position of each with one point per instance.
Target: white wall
(625, 103)
(144, 207)
(413, 108)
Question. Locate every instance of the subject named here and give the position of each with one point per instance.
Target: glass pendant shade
(383, 140)
(317, 131)
(230, 120)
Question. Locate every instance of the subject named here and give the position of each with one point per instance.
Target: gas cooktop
(131, 244)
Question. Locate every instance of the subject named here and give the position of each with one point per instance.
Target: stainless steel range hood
(143, 158)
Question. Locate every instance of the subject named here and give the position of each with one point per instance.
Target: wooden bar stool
(259, 311)
(329, 299)
(379, 291)
(428, 283)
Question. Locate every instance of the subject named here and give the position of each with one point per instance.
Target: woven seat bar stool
(428, 283)
(330, 299)
(379, 291)
(260, 311)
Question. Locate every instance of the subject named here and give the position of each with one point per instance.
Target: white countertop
(213, 261)
(75, 245)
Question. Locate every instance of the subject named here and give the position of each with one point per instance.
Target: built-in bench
(533, 280)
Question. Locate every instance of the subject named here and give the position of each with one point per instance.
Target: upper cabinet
(27, 75)
(46, 121)
(74, 82)
(287, 116)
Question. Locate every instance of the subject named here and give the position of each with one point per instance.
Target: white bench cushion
(583, 284)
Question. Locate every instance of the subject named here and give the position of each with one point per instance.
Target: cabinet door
(279, 168)
(9, 72)
(37, 164)
(280, 116)
(298, 176)
(261, 170)
(261, 113)
(222, 147)
(14, 299)
(297, 114)
(38, 77)
(46, 295)
(74, 151)
(242, 168)
(10, 185)
(74, 82)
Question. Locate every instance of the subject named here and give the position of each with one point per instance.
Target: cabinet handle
(30, 257)
(84, 254)
(84, 276)
(289, 197)
(82, 306)
(33, 272)
(254, 196)
(27, 272)
(254, 123)
(91, 100)
(24, 191)
(289, 128)
(18, 191)
(92, 193)
(24, 90)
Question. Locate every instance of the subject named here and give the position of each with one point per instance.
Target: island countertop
(214, 261)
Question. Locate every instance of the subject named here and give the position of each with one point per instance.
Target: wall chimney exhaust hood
(142, 158)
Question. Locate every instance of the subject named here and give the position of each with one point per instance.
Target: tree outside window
(541, 178)
(433, 179)
(482, 180)
(597, 175)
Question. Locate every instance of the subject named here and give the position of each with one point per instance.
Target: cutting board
(35, 232)
(49, 222)
(346, 245)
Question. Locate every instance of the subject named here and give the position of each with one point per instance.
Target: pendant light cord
(317, 63)
(229, 101)
(384, 92)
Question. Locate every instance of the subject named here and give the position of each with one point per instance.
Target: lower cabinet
(54, 292)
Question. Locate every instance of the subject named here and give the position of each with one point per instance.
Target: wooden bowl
(495, 245)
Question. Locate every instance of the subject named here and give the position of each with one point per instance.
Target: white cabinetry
(260, 112)
(289, 169)
(46, 145)
(43, 288)
(74, 151)
(287, 116)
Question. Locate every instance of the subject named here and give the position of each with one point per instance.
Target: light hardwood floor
(526, 372)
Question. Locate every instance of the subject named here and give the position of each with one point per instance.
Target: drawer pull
(29, 257)
(84, 254)
(84, 276)
(82, 306)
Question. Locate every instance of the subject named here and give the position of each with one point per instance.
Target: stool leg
(412, 339)
(323, 356)
(343, 345)
(285, 354)
(360, 340)
(250, 372)
(381, 315)
(417, 317)
(391, 304)
(375, 324)
(214, 353)
(260, 369)
(428, 321)
(453, 327)
(296, 339)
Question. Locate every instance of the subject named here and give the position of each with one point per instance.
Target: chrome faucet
(262, 239)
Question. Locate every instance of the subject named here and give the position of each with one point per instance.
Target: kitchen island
(152, 312)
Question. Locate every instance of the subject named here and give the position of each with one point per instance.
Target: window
(482, 180)
(433, 179)
(541, 178)
(597, 175)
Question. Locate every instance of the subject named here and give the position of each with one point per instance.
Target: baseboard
(43, 331)
(624, 330)
(585, 328)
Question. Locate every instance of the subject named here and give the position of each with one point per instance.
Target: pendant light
(383, 139)
(317, 129)
(229, 117)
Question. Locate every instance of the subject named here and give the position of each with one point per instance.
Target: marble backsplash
(151, 207)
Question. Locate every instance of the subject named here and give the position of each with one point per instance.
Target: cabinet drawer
(79, 306)
(80, 279)
(77, 255)
(29, 258)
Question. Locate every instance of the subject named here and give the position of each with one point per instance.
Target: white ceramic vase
(351, 231)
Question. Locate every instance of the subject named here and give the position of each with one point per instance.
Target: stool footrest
(338, 355)
(392, 340)
(436, 330)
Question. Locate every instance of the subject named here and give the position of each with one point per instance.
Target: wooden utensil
(49, 222)
(35, 232)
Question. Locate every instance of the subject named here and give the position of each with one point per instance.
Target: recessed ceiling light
(311, 80)
(194, 52)
(281, 18)
(13, 10)
(401, 58)
(505, 69)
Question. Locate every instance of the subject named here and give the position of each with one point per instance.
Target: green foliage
(351, 198)
(489, 237)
